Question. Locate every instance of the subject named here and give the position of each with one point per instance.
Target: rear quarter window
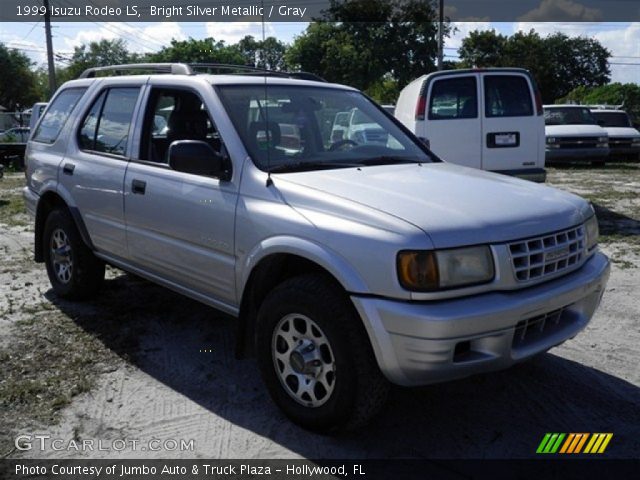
(57, 115)
(507, 96)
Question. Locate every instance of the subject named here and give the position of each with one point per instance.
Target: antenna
(267, 132)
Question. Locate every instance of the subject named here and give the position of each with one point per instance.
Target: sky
(622, 39)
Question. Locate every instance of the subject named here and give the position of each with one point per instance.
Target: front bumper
(559, 154)
(418, 343)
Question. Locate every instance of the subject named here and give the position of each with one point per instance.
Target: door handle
(138, 187)
(68, 168)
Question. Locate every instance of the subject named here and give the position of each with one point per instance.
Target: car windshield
(612, 119)
(292, 128)
(568, 116)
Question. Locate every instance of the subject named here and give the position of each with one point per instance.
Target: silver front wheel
(303, 360)
(61, 256)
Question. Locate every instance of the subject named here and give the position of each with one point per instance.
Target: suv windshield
(612, 119)
(568, 116)
(291, 128)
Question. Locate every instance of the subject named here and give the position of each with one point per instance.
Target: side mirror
(196, 157)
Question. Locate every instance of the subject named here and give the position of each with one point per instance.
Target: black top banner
(308, 10)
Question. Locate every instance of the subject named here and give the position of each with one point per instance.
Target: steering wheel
(341, 143)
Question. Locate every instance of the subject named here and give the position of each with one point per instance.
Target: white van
(489, 119)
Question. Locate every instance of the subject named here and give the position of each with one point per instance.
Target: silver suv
(349, 265)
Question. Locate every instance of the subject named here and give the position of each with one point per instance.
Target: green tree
(366, 42)
(207, 50)
(558, 62)
(268, 53)
(97, 54)
(625, 94)
(17, 83)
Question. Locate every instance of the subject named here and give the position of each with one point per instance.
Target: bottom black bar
(397, 469)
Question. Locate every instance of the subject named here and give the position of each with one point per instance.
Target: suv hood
(574, 131)
(622, 132)
(453, 205)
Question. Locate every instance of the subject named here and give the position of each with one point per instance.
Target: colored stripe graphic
(543, 443)
(573, 443)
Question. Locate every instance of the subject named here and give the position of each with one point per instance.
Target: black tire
(85, 273)
(359, 389)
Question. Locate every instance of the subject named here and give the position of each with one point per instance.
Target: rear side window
(57, 115)
(106, 127)
(454, 98)
(507, 96)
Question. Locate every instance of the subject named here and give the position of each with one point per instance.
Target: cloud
(562, 11)
(462, 30)
(232, 32)
(138, 39)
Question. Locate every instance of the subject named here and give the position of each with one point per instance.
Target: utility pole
(47, 31)
(440, 35)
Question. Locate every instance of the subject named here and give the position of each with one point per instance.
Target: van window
(453, 99)
(57, 115)
(507, 96)
(106, 126)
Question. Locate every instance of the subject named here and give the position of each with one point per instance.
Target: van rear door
(453, 123)
(512, 129)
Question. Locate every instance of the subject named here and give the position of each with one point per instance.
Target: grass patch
(49, 361)
(12, 209)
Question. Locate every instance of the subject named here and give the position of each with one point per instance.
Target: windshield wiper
(307, 166)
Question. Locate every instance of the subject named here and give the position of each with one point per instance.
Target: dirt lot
(143, 363)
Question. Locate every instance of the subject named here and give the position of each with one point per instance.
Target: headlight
(603, 139)
(635, 140)
(592, 232)
(425, 271)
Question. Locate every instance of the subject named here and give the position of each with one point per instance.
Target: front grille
(533, 329)
(538, 257)
(578, 142)
(620, 142)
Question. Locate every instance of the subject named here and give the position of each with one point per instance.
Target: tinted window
(87, 134)
(454, 98)
(106, 127)
(57, 115)
(568, 116)
(613, 119)
(507, 96)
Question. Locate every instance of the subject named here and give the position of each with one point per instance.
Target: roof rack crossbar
(172, 68)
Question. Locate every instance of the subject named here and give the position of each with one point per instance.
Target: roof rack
(192, 68)
(172, 68)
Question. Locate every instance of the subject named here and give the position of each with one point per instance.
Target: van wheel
(73, 269)
(315, 357)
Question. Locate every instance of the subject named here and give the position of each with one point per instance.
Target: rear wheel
(315, 356)
(73, 269)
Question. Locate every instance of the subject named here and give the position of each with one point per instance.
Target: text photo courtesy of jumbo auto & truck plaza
(326, 239)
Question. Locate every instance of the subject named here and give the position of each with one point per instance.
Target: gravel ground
(143, 363)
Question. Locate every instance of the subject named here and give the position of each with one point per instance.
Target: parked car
(15, 135)
(573, 134)
(624, 139)
(348, 266)
(488, 119)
